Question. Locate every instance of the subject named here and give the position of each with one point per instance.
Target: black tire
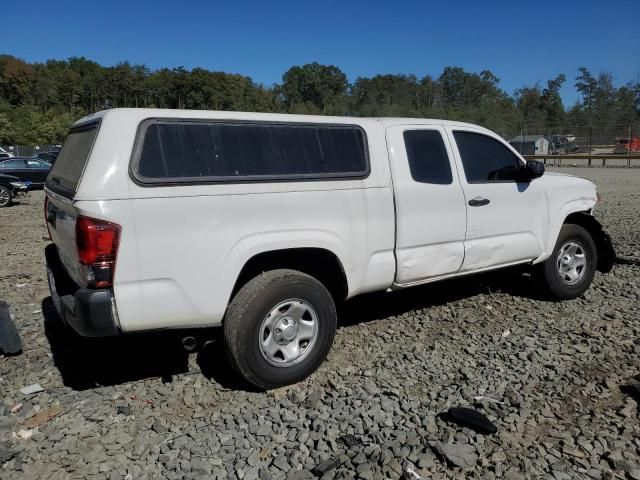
(6, 197)
(250, 307)
(557, 285)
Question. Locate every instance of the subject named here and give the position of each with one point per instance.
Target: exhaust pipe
(189, 343)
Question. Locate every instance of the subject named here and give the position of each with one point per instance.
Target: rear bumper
(89, 312)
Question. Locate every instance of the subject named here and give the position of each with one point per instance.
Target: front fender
(604, 245)
(558, 219)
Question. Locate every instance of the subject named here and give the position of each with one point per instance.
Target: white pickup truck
(260, 223)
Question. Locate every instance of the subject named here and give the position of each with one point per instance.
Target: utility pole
(590, 141)
(629, 146)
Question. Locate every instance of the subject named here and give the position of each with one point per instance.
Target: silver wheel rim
(4, 197)
(571, 262)
(288, 333)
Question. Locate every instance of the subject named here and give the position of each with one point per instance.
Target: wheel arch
(320, 263)
(604, 247)
(558, 214)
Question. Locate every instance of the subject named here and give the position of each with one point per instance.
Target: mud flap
(606, 252)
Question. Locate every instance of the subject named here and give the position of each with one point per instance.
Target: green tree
(314, 86)
(16, 80)
(586, 85)
(38, 101)
(551, 101)
(387, 95)
(7, 132)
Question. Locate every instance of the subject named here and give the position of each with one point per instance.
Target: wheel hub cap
(571, 264)
(288, 332)
(285, 330)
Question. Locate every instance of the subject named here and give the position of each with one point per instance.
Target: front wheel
(569, 271)
(5, 197)
(279, 328)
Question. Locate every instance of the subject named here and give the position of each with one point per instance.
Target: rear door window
(66, 172)
(427, 155)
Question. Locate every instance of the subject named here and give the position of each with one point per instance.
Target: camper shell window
(177, 151)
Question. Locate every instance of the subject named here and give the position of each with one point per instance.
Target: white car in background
(4, 154)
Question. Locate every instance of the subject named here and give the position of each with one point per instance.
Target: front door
(506, 217)
(430, 205)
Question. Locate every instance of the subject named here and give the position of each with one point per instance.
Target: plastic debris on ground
(10, 343)
(44, 416)
(31, 389)
(468, 417)
(23, 434)
(482, 398)
(324, 467)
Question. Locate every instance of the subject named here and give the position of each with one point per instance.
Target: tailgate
(61, 215)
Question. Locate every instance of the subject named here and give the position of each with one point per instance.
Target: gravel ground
(553, 375)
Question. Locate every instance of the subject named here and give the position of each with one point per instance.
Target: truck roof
(144, 113)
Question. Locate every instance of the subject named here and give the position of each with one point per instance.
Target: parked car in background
(10, 188)
(31, 170)
(563, 144)
(627, 145)
(49, 157)
(4, 154)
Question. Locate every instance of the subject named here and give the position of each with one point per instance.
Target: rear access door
(430, 204)
(61, 185)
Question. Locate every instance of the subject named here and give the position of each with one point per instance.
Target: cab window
(485, 159)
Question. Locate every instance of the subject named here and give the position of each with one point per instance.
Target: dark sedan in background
(49, 157)
(32, 171)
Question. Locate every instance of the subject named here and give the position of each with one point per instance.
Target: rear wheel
(570, 269)
(5, 197)
(279, 328)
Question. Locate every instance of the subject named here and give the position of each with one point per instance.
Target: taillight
(97, 242)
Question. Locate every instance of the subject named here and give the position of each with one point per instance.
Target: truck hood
(572, 179)
(566, 191)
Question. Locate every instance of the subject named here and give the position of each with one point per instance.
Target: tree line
(39, 101)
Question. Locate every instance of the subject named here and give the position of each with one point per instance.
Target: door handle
(479, 202)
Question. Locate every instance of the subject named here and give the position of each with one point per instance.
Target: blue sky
(521, 42)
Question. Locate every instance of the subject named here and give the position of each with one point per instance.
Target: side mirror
(534, 169)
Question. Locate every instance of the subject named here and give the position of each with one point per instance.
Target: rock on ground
(138, 407)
